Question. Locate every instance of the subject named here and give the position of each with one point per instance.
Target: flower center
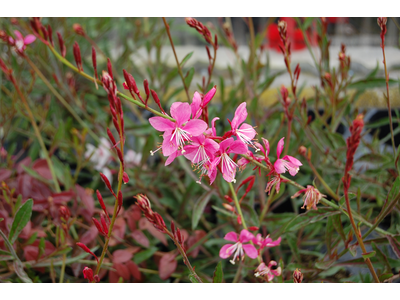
(181, 136)
(242, 135)
(228, 165)
(290, 167)
(19, 44)
(238, 250)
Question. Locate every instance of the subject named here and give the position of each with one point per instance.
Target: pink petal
(228, 175)
(225, 144)
(279, 166)
(182, 113)
(211, 146)
(245, 236)
(266, 144)
(212, 174)
(171, 158)
(248, 130)
(29, 39)
(279, 148)
(269, 243)
(11, 40)
(18, 35)
(231, 236)
(225, 252)
(161, 124)
(174, 107)
(168, 147)
(272, 263)
(213, 126)
(196, 102)
(293, 160)
(207, 98)
(270, 276)
(195, 127)
(190, 152)
(250, 251)
(237, 147)
(240, 116)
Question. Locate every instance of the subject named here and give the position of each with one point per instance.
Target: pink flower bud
(78, 29)
(77, 56)
(61, 44)
(125, 178)
(88, 274)
(297, 276)
(87, 250)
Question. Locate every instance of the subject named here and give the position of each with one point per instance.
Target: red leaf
(167, 266)
(25, 162)
(139, 237)
(122, 271)
(4, 174)
(63, 197)
(86, 196)
(122, 256)
(134, 269)
(89, 235)
(145, 224)
(42, 168)
(118, 231)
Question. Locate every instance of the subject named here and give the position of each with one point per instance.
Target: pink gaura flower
(20, 41)
(201, 153)
(287, 163)
(267, 272)
(228, 166)
(198, 104)
(177, 133)
(267, 242)
(246, 132)
(311, 198)
(239, 249)
(275, 181)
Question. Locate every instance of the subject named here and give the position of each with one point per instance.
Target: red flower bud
(87, 250)
(94, 61)
(78, 29)
(253, 228)
(297, 276)
(105, 179)
(104, 224)
(50, 32)
(77, 56)
(98, 226)
(63, 49)
(109, 68)
(125, 178)
(88, 274)
(64, 212)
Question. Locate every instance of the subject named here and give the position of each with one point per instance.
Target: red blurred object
(295, 36)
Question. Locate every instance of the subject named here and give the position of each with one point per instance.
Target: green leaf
(337, 223)
(2, 252)
(21, 219)
(186, 58)
(292, 241)
(189, 77)
(253, 215)
(382, 257)
(41, 247)
(309, 217)
(370, 83)
(342, 200)
(368, 254)
(385, 276)
(198, 208)
(218, 274)
(223, 211)
(193, 279)
(32, 238)
(144, 255)
(1, 219)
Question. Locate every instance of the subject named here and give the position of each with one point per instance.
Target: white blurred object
(133, 157)
(100, 157)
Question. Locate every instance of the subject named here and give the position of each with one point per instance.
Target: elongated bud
(228, 207)
(125, 178)
(208, 97)
(147, 90)
(131, 83)
(87, 250)
(121, 158)
(78, 29)
(63, 50)
(109, 68)
(77, 55)
(100, 198)
(50, 32)
(97, 278)
(156, 100)
(98, 226)
(94, 61)
(227, 198)
(216, 41)
(88, 274)
(44, 31)
(173, 228)
(107, 182)
(112, 139)
(104, 224)
(208, 53)
(253, 228)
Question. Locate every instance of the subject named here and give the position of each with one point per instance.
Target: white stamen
(244, 138)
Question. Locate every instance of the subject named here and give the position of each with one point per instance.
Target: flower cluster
(191, 137)
(239, 249)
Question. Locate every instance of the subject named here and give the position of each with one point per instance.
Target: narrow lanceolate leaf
(368, 254)
(218, 274)
(21, 219)
(395, 245)
(391, 200)
(382, 257)
(309, 217)
(337, 223)
(193, 278)
(189, 77)
(186, 58)
(199, 208)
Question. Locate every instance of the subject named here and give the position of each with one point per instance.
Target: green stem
(266, 207)
(63, 268)
(235, 199)
(38, 135)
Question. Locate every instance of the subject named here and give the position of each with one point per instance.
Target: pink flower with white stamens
(227, 165)
(267, 272)
(201, 153)
(20, 41)
(246, 132)
(177, 133)
(239, 249)
(311, 198)
(287, 163)
(275, 181)
(266, 242)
